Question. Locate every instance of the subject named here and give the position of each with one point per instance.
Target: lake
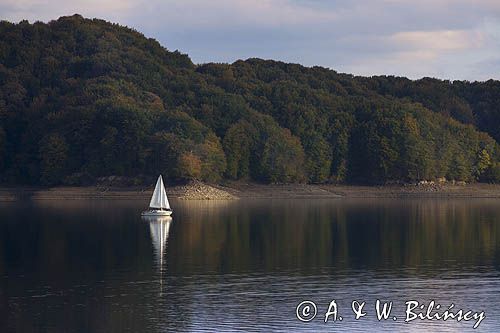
(96, 266)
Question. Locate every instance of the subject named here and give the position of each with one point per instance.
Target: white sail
(159, 199)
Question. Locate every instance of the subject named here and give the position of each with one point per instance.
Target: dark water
(244, 266)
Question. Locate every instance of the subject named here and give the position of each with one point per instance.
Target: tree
(319, 158)
(164, 153)
(483, 163)
(339, 135)
(416, 157)
(189, 166)
(125, 105)
(239, 142)
(283, 158)
(2, 148)
(213, 160)
(492, 174)
(459, 169)
(110, 152)
(53, 156)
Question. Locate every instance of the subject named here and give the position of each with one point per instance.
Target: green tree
(239, 143)
(109, 149)
(283, 158)
(492, 174)
(213, 160)
(53, 155)
(483, 163)
(339, 135)
(459, 169)
(164, 153)
(2, 148)
(125, 105)
(416, 157)
(319, 158)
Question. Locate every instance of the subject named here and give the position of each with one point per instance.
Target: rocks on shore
(435, 186)
(429, 186)
(196, 190)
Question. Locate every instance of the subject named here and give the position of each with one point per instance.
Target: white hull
(154, 212)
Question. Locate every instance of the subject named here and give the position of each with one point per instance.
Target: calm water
(94, 266)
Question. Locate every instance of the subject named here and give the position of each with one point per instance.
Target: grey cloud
(442, 38)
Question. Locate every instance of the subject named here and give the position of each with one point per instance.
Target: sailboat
(159, 205)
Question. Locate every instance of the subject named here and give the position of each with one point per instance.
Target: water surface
(96, 266)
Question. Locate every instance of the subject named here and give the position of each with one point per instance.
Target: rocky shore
(417, 190)
(199, 191)
(233, 190)
(192, 191)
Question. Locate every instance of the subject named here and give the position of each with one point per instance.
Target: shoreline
(237, 190)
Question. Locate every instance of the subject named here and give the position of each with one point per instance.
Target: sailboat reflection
(159, 227)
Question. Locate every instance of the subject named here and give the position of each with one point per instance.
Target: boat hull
(157, 213)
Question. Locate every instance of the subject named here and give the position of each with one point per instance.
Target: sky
(448, 39)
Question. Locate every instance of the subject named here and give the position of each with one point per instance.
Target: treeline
(82, 99)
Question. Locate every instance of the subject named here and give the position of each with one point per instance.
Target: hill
(82, 99)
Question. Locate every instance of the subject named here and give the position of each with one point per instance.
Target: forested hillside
(81, 99)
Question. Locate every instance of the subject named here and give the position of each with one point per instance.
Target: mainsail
(159, 199)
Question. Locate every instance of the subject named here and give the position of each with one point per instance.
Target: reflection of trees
(103, 258)
(304, 235)
(88, 264)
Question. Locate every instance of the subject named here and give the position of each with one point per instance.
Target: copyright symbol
(306, 311)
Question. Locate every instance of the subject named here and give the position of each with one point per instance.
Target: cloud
(444, 38)
(232, 13)
(46, 10)
(438, 40)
